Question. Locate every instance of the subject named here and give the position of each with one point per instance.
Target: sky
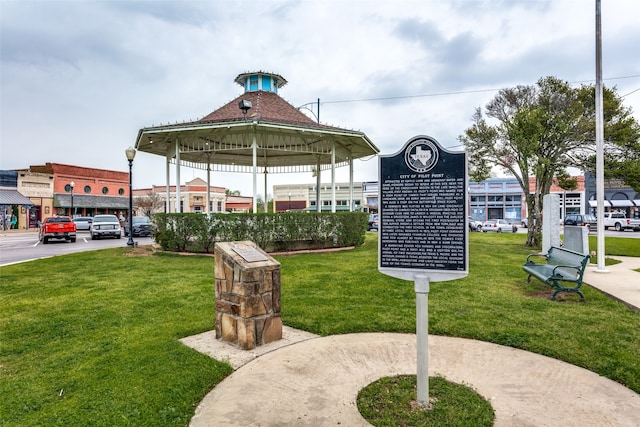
(79, 79)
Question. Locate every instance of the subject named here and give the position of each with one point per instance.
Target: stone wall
(247, 282)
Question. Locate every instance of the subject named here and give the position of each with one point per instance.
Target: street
(24, 246)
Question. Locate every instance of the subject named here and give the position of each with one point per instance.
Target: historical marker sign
(422, 212)
(249, 253)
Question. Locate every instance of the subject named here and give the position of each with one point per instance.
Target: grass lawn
(92, 338)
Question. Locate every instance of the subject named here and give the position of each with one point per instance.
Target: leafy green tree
(539, 131)
(621, 138)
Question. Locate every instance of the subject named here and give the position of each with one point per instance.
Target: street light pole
(130, 153)
(72, 184)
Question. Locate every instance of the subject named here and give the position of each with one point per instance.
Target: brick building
(59, 189)
(193, 198)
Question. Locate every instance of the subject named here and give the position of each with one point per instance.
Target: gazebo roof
(286, 139)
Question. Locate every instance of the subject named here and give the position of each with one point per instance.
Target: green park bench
(563, 270)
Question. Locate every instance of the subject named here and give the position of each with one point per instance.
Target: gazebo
(258, 132)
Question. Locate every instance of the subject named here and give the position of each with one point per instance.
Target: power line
(389, 98)
(626, 94)
(409, 96)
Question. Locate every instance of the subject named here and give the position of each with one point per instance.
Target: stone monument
(247, 295)
(576, 238)
(550, 222)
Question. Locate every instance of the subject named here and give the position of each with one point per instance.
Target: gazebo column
(168, 182)
(351, 184)
(266, 204)
(178, 207)
(333, 177)
(254, 147)
(207, 208)
(318, 182)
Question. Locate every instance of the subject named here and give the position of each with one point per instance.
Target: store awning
(622, 203)
(594, 203)
(88, 201)
(13, 197)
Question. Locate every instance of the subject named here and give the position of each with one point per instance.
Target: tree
(537, 131)
(149, 203)
(621, 139)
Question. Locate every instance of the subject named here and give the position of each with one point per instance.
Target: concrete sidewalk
(619, 281)
(306, 380)
(316, 381)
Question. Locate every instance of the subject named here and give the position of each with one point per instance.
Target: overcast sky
(80, 78)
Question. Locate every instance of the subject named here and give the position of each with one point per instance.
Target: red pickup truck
(57, 227)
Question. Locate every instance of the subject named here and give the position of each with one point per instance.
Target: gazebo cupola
(260, 80)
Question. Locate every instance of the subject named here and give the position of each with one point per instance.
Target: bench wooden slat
(561, 268)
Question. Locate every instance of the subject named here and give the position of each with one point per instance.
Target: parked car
(474, 225)
(582, 220)
(499, 226)
(83, 222)
(142, 226)
(105, 226)
(620, 222)
(57, 227)
(373, 222)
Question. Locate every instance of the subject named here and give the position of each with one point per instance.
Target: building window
(121, 191)
(219, 205)
(253, 83)
(67, 188)
(266, 83)
(105, 190)
(87, 189)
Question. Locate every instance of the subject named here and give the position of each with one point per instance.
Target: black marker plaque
(422, 211)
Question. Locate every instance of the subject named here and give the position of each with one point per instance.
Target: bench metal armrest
(576, 268)
(545, 256)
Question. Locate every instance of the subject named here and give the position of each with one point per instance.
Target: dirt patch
(568, 297)
(146, 250)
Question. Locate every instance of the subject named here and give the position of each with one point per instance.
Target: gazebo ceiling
(286, 139)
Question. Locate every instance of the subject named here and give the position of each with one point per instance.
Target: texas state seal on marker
(421, 155)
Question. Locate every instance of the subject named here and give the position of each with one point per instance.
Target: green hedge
(191, 232)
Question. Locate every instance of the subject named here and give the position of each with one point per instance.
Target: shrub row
(192, 232)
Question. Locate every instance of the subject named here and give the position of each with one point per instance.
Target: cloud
(80, 78)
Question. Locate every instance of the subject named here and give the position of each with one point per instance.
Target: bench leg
(578, 291)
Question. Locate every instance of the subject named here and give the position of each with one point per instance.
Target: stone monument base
(247, 295)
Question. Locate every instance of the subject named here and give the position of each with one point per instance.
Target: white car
(105, 226)
(474, 225)
(83, 222)
(498, 225)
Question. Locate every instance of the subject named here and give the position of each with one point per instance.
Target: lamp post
(72, 184)
(130, 153)
(289, 205)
